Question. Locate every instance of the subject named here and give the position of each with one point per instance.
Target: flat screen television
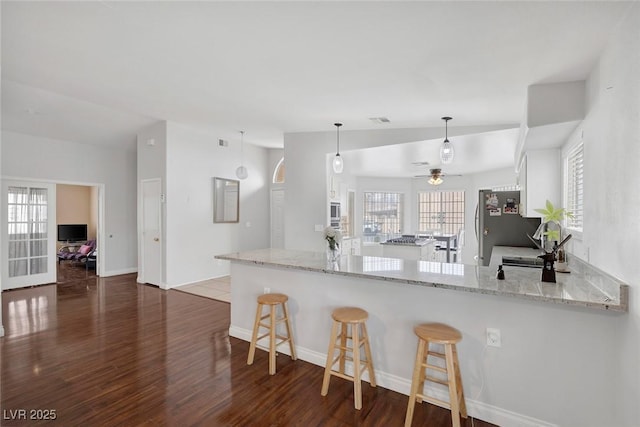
(72, 232)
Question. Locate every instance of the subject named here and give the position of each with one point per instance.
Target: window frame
(574, 153)
(461, 225)
(380, 235)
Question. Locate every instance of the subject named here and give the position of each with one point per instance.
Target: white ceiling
(96, 72)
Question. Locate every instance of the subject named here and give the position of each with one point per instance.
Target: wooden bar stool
(437, 333)
(271, 300)
(354, 318)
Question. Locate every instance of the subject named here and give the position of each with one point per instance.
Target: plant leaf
(550, 207)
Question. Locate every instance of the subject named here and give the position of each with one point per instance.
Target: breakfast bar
(542, 325)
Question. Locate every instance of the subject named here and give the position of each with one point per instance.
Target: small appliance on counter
(499, 223)
(408, 240)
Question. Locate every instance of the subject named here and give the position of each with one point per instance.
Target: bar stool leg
(357, 386)
(344, 335)
(456, 364)
(285, 310)
(367, 351)
(254, 337)
(330, 360)
(414, 383)
(423, 371)
(272, 339)
(453, 390)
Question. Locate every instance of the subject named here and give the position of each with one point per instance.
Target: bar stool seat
(352, 318)
(272, 301)
(437, 333)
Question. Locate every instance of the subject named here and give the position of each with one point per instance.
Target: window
(27, 237)
(441, 211)
(278, 173)
(574, 186)
(382, 216)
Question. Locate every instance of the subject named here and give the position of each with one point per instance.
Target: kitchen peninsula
(538, 322)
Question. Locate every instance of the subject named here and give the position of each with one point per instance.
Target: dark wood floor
(110, 352)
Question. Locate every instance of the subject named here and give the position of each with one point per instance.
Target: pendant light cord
(241, 148)
(446, 128)
(337, 125)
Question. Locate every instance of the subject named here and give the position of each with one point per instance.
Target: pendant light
(241, 171)
(338, 164)
(446, 150)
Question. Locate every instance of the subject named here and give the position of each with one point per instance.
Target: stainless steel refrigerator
(499, 223)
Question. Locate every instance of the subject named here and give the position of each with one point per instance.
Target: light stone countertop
(585, 286)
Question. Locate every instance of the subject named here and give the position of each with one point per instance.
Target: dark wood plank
(111, 352)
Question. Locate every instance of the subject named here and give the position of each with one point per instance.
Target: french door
(29, 234)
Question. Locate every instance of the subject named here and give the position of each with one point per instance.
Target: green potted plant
(550, 229)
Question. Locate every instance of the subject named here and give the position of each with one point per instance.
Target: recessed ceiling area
(474, 153)
(98, 71)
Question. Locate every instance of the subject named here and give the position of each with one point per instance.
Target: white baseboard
(476, 409)
(119, 272)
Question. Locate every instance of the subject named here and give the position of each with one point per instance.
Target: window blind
(575, 186)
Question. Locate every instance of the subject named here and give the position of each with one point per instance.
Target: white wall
(192, 238)
(30, 157)
(611, 236)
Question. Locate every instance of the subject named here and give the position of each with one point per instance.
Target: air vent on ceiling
(223, 143)
(379, 120)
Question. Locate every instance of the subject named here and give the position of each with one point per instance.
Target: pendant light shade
(338, 163)
(241, 171)
(446, 149)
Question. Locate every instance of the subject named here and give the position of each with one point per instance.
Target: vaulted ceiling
(96, 72)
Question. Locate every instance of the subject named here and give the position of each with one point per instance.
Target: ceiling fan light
(435, 180)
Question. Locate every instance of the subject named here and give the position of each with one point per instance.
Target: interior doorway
(29, 220)
(78, 214)
(151, 250)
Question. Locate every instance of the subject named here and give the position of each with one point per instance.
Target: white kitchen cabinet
(540, 180)
(351, 246)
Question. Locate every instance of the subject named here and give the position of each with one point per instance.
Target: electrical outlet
(493, 337)
(267, 290)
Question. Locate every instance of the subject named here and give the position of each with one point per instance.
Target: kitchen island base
(547, 349)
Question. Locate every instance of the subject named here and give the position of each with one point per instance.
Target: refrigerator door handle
(477, 223)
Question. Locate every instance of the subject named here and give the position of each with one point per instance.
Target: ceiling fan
(435, 176)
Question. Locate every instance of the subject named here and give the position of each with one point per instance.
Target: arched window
(278, 174)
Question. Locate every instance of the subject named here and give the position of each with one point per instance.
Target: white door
(277, 218)
(151, 232)
(28, 234)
